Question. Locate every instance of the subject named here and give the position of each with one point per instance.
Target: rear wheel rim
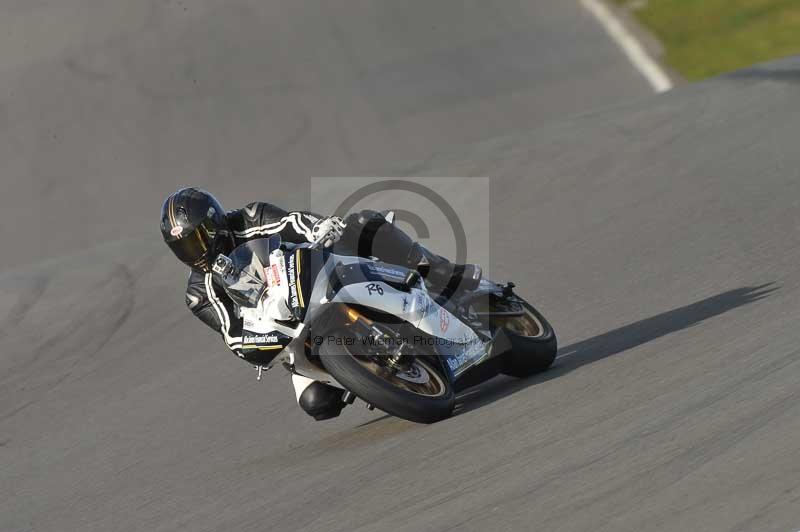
(527, 325)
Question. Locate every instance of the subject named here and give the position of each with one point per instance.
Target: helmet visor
(193, 249)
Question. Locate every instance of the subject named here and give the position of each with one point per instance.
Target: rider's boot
(442, 274)
(370, 233)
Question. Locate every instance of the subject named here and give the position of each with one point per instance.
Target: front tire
(532, 341)
(422, 395)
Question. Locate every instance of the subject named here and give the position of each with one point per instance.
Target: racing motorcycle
(376, 331)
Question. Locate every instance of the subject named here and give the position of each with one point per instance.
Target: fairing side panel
(457, 343)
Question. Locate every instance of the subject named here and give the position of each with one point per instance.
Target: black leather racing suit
(367, 233)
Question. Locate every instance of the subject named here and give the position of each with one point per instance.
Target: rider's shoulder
(255, 213)
(196, 291)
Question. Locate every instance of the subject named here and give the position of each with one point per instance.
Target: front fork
(397, 359)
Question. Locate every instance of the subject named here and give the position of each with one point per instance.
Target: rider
(197, 229)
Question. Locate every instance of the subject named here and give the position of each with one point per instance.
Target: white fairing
(278, 288)
(416, 307)
(258, 320)
(461, 347)
(419, 309)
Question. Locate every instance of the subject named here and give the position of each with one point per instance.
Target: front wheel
(532, 341)
(422, 394)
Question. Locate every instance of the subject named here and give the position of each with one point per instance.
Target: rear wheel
(532, 341)
(421, 393)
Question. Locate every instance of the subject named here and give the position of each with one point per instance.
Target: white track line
(635, 52)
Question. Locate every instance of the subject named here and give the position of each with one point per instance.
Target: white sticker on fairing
(278, 283)
(461, 348)
(273, 276)
(260, 339)
(176, 231)
(416, 307)
(294, 299)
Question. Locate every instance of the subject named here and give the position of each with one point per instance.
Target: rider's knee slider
(321, 401)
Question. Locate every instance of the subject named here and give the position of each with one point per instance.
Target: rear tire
(530, 351)
(361, 377)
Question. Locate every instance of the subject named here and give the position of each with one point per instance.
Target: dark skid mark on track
(74, 66)
(619, 340)
(27, 299)
(16, 409)
(90, 332)
(365, 435)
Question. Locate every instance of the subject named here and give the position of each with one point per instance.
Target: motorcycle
(375, 330)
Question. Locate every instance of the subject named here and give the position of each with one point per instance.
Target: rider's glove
(328, 231)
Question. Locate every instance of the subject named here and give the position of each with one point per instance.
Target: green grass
(704, 38)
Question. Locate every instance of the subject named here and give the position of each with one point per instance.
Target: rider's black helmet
(194, 227)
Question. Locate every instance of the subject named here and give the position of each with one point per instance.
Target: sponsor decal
(211, 212)
(378, 268)
(293, 298)
(273, 275)
(471, 355)
(444, 320)
(176, 231)
(260, 339)
(425, 305)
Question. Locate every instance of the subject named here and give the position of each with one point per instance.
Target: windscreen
(244, 272)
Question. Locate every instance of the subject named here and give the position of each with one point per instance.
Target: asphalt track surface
(104, 100)
(659, 235)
